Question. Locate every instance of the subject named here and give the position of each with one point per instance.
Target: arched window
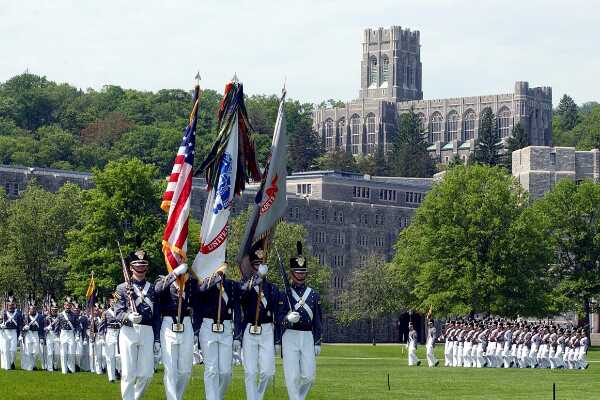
(373, 71)
(504, 122)
(435, 127)
(469, 125)
(355, 127)
(385, 69)
(341, 133)
(451, 126)
(329, 142)
(371, 133)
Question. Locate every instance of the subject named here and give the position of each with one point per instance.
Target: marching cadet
(217, 312)
(507, 339)
(448, 344)
(33, 337)
(52, 340)
(412, 346)
(458, 345)
(111, 338)
(176, 332)
(139, 339)
(11, 325)
(300, 317)
(82, 360)
(259, 302)
(65, 329)
(584, 344)
(97, 331)
(432, 361)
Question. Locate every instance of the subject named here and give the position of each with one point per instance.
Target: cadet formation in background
(223, 322)
(494, 343)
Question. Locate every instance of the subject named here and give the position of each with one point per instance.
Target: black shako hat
(257, 253)
(298, 263)
(138, 260)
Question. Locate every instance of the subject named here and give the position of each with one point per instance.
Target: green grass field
(344, 372)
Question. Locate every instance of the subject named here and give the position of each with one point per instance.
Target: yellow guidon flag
(90, 293)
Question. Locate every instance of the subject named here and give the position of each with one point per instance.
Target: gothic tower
(391, 65)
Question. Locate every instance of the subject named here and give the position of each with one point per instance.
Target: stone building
(538, 168)
(391, 84)
(349, 218)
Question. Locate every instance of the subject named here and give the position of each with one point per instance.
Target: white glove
(317, 350)
(2, 326)
(156, 347)
(182, 269)
(134, 318)
(262, 270)
(85, 342)
(25, 328)
(293, 317)
(277, 349)
(237, 346)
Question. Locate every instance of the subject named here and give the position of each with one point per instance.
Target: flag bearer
(412, 346)
(139, 337)
(33, 336)
(300, 316)
(432, 361)
(259, 301)
(176, 332)
(217, 312)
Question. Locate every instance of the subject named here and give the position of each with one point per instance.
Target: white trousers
(457, 354)
(52, 351)
(448, 351)
(467, 360)
(177, 356)
(31, 350)
(431, 359)
(110, 352)
(217, 349)
(96, 355)
(67, 351)
(258, 358)
(2, 349)
(299, 364)
(9, 345)
(412, 354)
(137, 360)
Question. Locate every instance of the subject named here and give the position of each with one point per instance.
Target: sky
(468, 48)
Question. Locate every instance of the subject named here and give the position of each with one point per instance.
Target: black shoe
(418, 363)
(12, 366)
(438, 363)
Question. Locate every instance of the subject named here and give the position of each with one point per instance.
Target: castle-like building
(391, 84)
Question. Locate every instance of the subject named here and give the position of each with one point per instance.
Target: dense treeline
(576, 126)
(46, 124)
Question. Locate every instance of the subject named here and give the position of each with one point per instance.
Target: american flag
(177, 197)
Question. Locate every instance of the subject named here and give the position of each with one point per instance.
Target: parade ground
(344, 372)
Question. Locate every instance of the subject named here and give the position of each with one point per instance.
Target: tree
(38, 222)
(409, 149)
(587, 131)
(370, 295)
(571, 216)
(517, 140)
(284, 240)
(487, 149)
(123, 206)
(468, 251)
(337, 160)
(568, 113)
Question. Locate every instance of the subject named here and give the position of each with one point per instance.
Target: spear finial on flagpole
(198, 78)
(283, 90)
(235, 78)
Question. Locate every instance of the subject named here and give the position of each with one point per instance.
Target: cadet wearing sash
(52, 340)
(33, 338)
(176, 332)
(259, 301)
(10, 331)
(65, 329)
(82, 349)
(412, 346)
(139, 337)
(111, 339)
(301, 341)
(432, 361)
(217, 312)
(97, 329)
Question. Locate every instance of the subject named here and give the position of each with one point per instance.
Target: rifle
(128, 285)
(286, 283)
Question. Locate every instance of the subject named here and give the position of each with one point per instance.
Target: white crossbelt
(301, 302)
(33, 320)
(141, 296)
(11, 317)
(64, 313)
(225, 297)
(263, 299)
(111, 312)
